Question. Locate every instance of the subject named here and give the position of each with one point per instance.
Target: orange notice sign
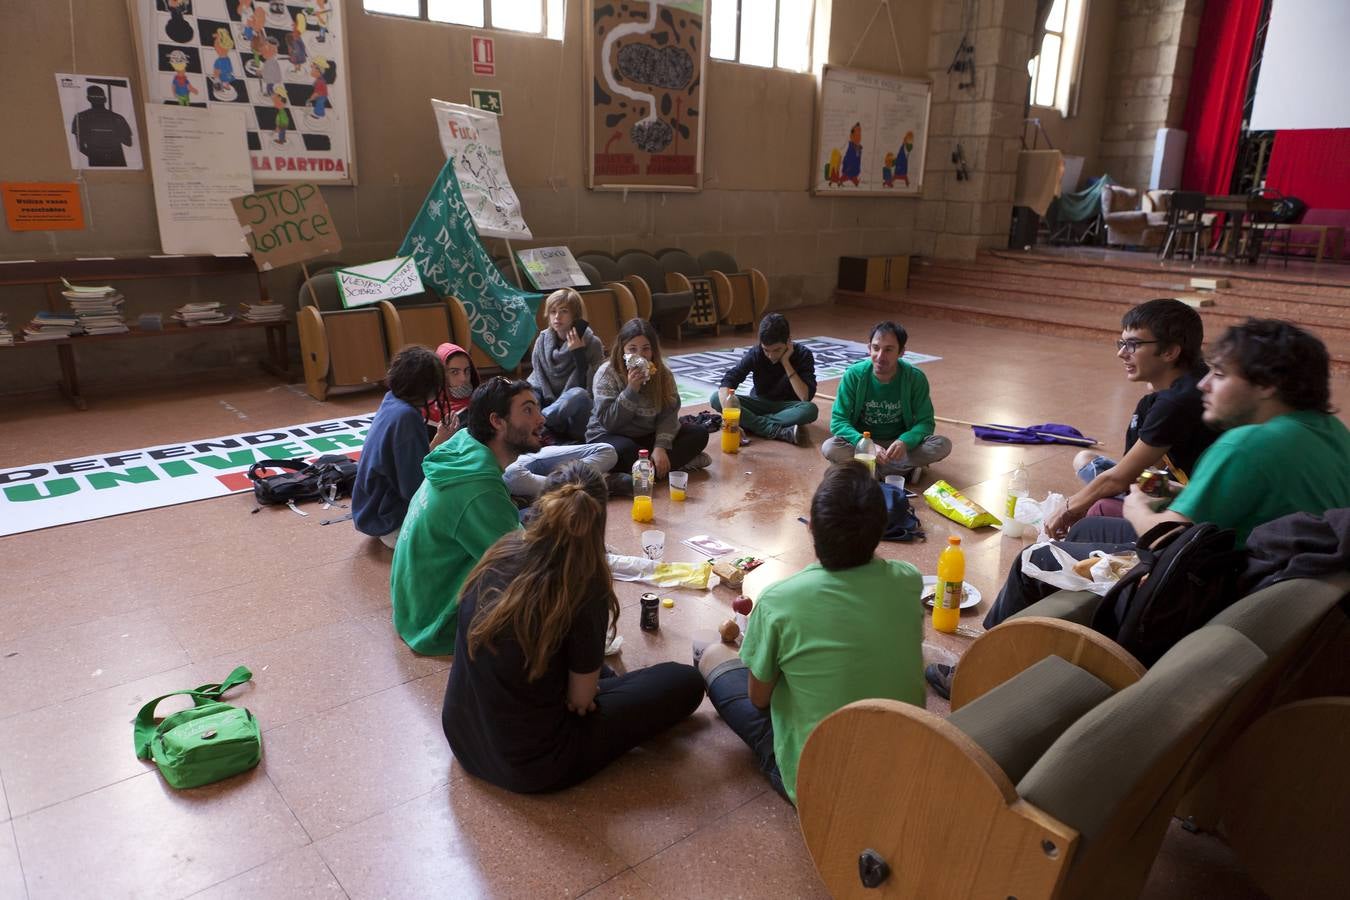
(43, 206)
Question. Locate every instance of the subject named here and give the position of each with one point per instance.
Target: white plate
(970, 594)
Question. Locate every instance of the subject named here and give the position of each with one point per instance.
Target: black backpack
(901, 523)
(1186, 575)
(327, 478)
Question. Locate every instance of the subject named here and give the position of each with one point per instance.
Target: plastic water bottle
(951, 577)
(644, 475)
(1019, 485)
(866, 452)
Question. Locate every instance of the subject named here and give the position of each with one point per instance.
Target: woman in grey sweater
(566, 356)
(637, 407)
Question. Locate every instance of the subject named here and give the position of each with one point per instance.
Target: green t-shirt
(830, 638)
(900, 408)
(1299, 462)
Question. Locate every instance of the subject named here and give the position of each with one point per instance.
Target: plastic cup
(679, 484)
(897, 480)
(654, 544)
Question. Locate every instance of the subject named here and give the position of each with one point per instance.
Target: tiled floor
(358, 794)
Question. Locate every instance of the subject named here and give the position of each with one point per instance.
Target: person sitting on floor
(846, 628)
(459, 512)
(565, 358)
(530, 705)
(779, 406)
(1282, 451)
(638, 406)
(888, 397)
(1160, 345)
(461, 377)
(390, 469)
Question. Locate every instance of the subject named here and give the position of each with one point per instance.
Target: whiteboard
(1302, 78)
(871, 134)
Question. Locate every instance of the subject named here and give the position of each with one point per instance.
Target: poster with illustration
(284, 64)
(472, 140)
(871, 134)
(645, 63)
(98, 114)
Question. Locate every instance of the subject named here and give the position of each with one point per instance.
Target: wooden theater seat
(338, 347)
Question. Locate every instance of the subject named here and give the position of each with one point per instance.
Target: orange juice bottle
(866, 452)
(731, 425)
(951, 576)
(644, 474)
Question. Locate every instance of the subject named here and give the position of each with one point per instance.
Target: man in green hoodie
(460, 510)
(888, 397)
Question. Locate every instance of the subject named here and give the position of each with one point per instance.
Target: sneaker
(940, 677)
(620, 484)
(914, 476)
(702, 461)
(787, 434)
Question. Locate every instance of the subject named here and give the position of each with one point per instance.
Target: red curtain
(1218, 90)
(1312, 165)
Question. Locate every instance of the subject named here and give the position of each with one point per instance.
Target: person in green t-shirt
(889, 398)
(460, 510)
(846, 628)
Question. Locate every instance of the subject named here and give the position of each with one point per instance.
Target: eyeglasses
(1131, 346)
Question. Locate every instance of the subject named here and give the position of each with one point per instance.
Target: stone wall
(1154, 46)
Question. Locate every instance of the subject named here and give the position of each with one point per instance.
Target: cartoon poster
(284, 64)
(871, 134)
(472, 140)
(98, 114)
(645, 63)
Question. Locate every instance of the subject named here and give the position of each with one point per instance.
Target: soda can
(650, 619)
(1153, 482)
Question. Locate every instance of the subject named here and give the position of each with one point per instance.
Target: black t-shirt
(1171, 418)
(515, 733)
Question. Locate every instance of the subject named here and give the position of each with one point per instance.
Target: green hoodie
(460, 510)
(901, 408)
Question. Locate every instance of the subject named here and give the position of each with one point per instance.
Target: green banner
(451, 260)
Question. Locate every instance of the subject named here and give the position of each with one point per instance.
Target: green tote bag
(209, 742)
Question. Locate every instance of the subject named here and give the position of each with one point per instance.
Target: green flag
(451, 260)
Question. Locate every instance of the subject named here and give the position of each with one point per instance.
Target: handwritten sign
(286, 224)
(551, 268)
(472, 140)
(383, 280)
(43, 206)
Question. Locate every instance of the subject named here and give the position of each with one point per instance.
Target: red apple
(743, 605)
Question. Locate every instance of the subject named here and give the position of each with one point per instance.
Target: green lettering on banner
(283, 451)
(177, 468)
(334, 443)
(135, 475)
(57, 487)
(236, 460)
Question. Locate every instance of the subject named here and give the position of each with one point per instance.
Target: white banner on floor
(109, 484)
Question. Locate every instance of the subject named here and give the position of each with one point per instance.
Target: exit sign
(488, 101)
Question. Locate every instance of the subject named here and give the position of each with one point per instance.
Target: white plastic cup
(897, 480)
(654, 544)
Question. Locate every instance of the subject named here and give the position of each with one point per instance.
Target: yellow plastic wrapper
(957, 506)
(678, 574)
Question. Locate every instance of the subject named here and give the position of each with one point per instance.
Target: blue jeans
(527, 475)
(568, 415)
(1097, 466)
(729, 691)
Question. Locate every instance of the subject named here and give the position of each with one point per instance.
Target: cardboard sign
(383, 280)
(484, 57)
(286, 224)
(43, 206)
(551, 268)
(487, 101)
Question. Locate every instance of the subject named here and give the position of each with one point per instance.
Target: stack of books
(262, 312)
(98, 309)
(50, 326)
(6, 336)
(203, 313)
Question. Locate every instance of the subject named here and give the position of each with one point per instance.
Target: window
(1054, 71)
(545, 17)
(769, 33)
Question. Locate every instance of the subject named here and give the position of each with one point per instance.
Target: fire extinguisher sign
(484, 58)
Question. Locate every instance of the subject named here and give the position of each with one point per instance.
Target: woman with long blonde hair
(637, 406)
(530, 705)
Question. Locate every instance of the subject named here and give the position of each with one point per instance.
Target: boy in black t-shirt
(779, 406)
(1159, 345)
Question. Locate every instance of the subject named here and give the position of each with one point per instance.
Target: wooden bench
(98, 271)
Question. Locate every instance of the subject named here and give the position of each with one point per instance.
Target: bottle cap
(867, 434)
(954, 540)
(643, 454)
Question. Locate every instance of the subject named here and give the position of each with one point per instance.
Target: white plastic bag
(1030, 516)
(1106, 571)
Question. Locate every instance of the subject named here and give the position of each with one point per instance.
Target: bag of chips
(957, 506)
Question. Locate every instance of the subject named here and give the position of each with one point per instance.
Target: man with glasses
(1282, 451)
(1160, 344)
